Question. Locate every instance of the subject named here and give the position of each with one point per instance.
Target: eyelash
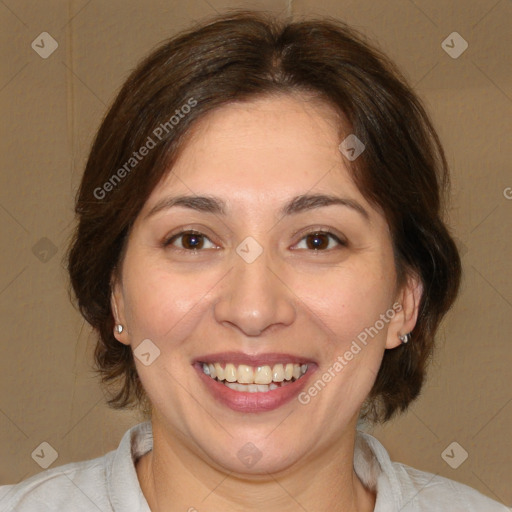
(168, 241)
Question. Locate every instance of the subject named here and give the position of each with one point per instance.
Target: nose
(254, 298)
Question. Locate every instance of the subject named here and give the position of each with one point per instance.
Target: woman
(261, 250)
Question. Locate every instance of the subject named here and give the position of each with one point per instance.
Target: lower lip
(242, 401)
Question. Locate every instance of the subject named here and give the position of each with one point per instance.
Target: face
(258, 260)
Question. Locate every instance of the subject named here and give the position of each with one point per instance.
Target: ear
(406, 309)
(118, 309)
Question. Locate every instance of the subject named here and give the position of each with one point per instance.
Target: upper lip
(269, 358)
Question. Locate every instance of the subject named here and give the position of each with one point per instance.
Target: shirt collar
(375, 469)
(123, 484)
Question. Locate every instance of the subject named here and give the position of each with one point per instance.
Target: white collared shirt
(110, 484)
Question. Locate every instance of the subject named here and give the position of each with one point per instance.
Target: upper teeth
(245, 374)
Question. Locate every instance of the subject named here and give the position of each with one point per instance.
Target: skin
(293, 298)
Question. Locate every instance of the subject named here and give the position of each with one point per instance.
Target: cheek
(166, 308)
(350, 298)
(163, 305)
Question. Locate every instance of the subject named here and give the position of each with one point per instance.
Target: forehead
(261, 150)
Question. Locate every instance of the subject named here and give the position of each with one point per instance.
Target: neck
(174, 478)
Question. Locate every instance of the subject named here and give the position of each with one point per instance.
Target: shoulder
(78, 486)
(106, 483)
(427, 492)
(407, 489)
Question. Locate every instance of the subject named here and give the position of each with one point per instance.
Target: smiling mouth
(254, 379)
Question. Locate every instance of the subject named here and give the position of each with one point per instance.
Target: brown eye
(317, 241)
(189, 241)
(192, 241)
(320, 241)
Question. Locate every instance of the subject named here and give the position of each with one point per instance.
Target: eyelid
(303, 233)
(168, 239)
(342, 241)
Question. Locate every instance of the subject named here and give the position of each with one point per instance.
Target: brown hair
(238, 57)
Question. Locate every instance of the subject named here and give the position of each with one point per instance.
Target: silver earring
(119, 328)
(405, 338)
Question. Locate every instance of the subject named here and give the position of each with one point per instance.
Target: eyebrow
(298, 204)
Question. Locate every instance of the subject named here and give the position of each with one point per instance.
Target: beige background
(50, 110)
